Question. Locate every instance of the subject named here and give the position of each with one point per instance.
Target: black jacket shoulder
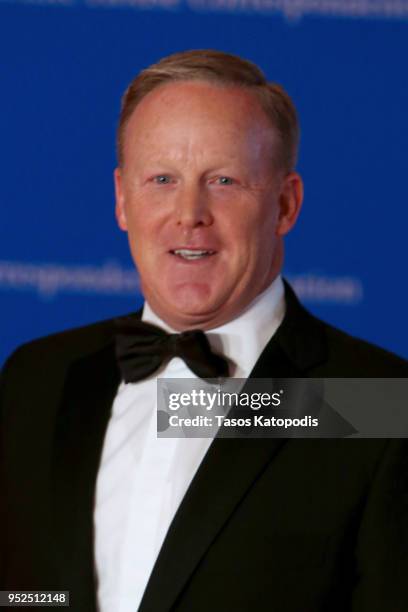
(358, 358)
(46, 360)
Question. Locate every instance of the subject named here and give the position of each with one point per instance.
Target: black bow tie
(141, 348)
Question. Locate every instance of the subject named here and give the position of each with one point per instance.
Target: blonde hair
(223, 69)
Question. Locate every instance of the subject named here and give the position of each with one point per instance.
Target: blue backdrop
(64, 65)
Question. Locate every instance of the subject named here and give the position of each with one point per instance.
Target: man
(94, 502)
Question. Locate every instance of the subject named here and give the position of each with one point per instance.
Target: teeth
(192, 254)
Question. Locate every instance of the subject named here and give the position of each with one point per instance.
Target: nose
(193, 207)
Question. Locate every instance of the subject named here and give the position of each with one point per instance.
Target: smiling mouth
(192, 254)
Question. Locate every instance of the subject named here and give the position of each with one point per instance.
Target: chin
(186, 306)
(191, 297)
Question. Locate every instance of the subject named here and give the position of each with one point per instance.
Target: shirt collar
(243, 339)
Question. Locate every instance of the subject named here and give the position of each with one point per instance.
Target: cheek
(141, 204)
(143, 220)
(241, 230)
(252, 240)
(141, 237)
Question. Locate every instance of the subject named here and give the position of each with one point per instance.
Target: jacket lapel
(227, 472)
(89, 392)
(231, 466)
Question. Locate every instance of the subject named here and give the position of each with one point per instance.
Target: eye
(225, 180)
(161, 179)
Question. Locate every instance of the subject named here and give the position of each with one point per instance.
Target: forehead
(201, 94)
(188, 108)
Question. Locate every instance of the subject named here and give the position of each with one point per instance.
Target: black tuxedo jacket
(266, 525)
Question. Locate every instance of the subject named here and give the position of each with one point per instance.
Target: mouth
(192, 254)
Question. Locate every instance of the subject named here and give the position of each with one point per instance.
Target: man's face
(203, 205)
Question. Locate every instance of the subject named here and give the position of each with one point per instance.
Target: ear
(120, 200)
(290, 202)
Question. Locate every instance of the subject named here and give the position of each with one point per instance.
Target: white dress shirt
(142, 479)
